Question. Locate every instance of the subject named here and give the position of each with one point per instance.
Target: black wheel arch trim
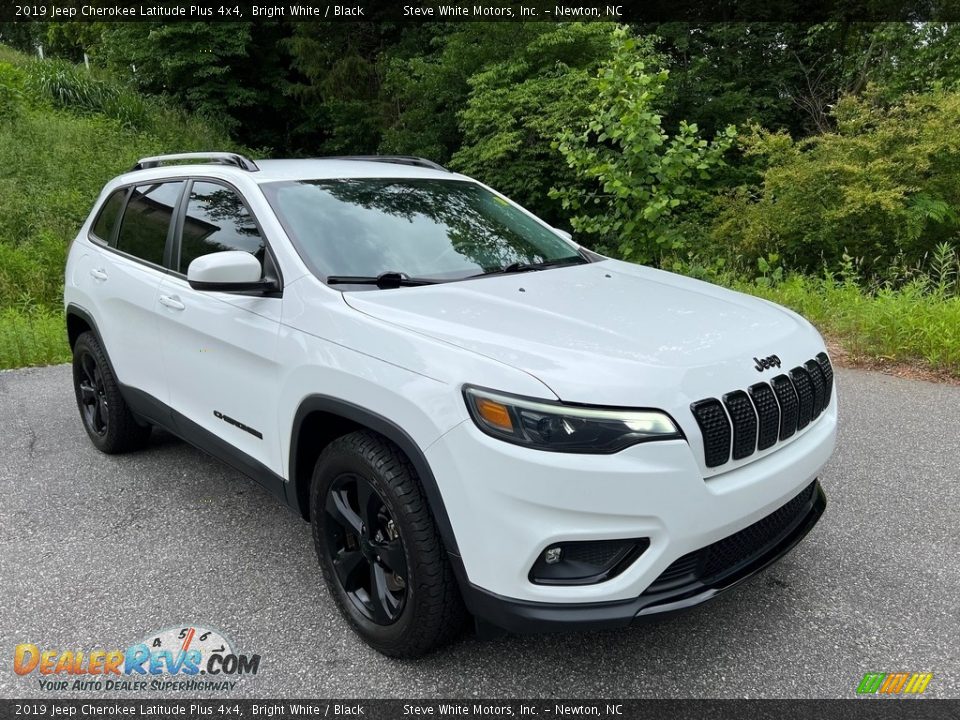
(390, 430)
(74, 310)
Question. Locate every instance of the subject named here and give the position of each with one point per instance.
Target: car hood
(608, 332)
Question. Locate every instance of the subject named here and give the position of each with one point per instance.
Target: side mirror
(564, 234)
(227, 271)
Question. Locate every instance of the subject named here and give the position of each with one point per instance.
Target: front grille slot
(715, 429)
(819, 386)
(789, 405)
(827, 370)
(768, 412)
(752, 421)
(801, 381)
(744, 419)
(725, 557)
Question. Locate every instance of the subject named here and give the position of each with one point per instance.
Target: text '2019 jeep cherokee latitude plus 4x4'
(476, 414)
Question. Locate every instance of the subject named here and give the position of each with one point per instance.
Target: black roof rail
(218, 158)
(396, 159)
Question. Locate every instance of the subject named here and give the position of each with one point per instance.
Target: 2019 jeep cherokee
(475, 413)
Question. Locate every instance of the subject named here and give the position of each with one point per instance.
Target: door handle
(98, 274)
(172, 302)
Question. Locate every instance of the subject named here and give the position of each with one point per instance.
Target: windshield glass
(438, 229)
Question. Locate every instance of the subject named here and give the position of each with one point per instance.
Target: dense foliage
(884, 187)
(762, 155)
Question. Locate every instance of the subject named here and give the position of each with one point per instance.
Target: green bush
(32, 338)
(630, 176)
(12, 81)
(75, 88)
(519, 107)
(913, 324)
(69, 137)
(884, 188)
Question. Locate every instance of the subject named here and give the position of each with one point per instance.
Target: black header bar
(696, 11)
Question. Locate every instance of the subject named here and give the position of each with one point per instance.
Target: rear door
(220, 349)
(125, 279)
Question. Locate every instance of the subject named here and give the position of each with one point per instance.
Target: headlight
(559, 427)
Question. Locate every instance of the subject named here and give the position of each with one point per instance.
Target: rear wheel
(379, 550)
(106, 417)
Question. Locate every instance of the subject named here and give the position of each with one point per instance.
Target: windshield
(435, 229)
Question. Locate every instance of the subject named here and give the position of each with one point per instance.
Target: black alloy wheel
(110, 425)
(365, 549)
(382, 557)
(93, 395)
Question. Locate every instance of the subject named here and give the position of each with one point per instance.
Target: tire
(385, 565)
(106, 418)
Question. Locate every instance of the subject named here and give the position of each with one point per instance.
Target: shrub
(884, 188)
(68, 138)
(631, 176)
(75, 88)
(11, 93)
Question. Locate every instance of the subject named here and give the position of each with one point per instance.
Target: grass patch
(37, 337)
(914, 324)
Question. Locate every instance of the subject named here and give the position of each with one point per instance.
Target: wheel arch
(79, 322)
(326, 418)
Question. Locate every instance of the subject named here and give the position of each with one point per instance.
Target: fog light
(552, 555)
(584, 562)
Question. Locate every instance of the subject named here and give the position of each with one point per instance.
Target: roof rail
(396, 159)
(218, 158)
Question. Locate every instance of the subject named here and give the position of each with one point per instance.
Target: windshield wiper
(519, 267)
(384, 281)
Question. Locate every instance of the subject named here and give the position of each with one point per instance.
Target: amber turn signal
(495, 413)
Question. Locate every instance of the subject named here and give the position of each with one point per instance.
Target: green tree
(427, 81)
(884, 188)
(223, 71)
(520, 106)
(631, 176)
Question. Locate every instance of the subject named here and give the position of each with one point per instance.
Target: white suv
(476, 414)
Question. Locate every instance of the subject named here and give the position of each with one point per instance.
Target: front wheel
(379, 549)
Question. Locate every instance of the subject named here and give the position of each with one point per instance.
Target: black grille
(715, 429)
(725, 557)
(827, 369)
(801, 381)
(819, 386)
(768, 413)
(598, 552)
(680, 571)
(789, 405)
(744, 419)
(749, 421)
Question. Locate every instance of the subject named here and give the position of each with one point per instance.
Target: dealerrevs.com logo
(188, 658)
(898, 683)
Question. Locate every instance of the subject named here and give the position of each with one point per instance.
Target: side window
(216, 220)
(143, 230)
(103, 227)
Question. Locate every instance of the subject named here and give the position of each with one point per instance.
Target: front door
(220, 349)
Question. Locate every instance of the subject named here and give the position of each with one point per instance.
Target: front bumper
(507, 504)
(665, 596)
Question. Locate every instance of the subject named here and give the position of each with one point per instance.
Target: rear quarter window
(103, 225)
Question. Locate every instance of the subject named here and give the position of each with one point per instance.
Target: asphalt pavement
(99, 551)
